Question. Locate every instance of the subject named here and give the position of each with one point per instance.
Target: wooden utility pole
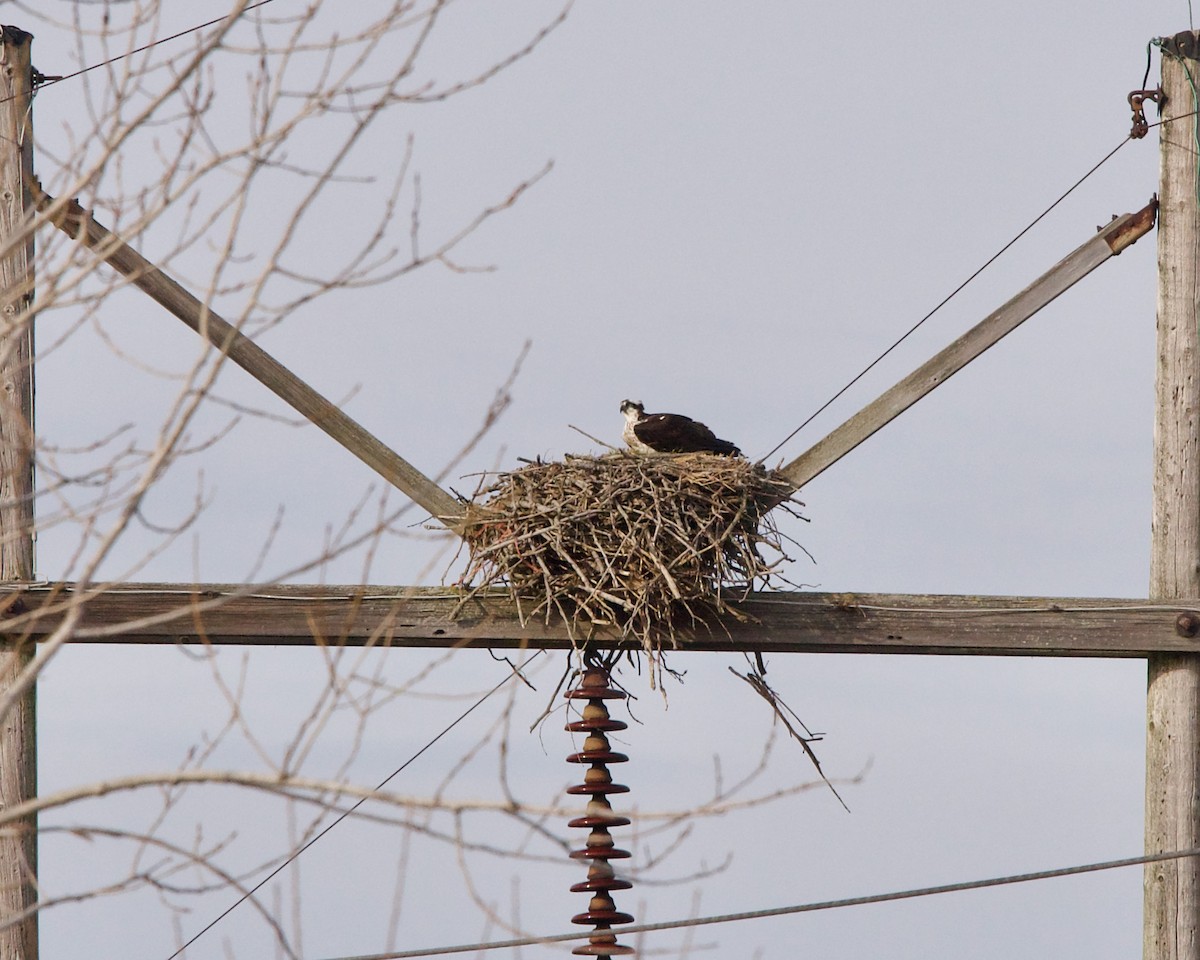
(18, 756)
(1172, 889)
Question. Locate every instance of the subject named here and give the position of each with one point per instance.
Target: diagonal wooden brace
(72, 219)
(1109, 242)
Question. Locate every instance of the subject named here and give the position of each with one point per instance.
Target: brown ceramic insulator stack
(595, 688)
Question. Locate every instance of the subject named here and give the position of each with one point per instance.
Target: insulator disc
(597, 820)
(601, 883)
(600, 853)
(584, 726)
(597, 788)
(613, 949)
(595, 693)
(602, 916)
(597, 756)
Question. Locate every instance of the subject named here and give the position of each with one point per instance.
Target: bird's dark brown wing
(675, 433)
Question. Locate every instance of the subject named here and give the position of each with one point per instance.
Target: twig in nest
(782, 711)
(648, 545)
(550, 704)
(590, 437)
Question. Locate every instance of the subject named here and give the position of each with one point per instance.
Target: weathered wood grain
(775, 622)
(1173, 688)
(18, 747)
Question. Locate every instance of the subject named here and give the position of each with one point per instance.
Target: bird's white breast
(631, 438)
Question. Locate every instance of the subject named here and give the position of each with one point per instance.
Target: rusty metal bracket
(1136, 99)
(1131, 227)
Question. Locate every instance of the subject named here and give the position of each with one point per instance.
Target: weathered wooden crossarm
(76, 222)
(1109, 242)
(775, 622)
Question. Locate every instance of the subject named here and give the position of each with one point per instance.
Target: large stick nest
(645, 543)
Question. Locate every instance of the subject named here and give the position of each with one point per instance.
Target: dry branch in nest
(645, 543)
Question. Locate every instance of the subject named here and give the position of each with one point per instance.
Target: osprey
(669, 433)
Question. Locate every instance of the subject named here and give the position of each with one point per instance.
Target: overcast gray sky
(747, 204)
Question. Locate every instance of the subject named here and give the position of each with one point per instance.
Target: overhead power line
(785, 911)
(50, 81)
(516, 672)
(950, 296)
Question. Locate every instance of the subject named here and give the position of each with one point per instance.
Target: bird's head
(632, 409)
